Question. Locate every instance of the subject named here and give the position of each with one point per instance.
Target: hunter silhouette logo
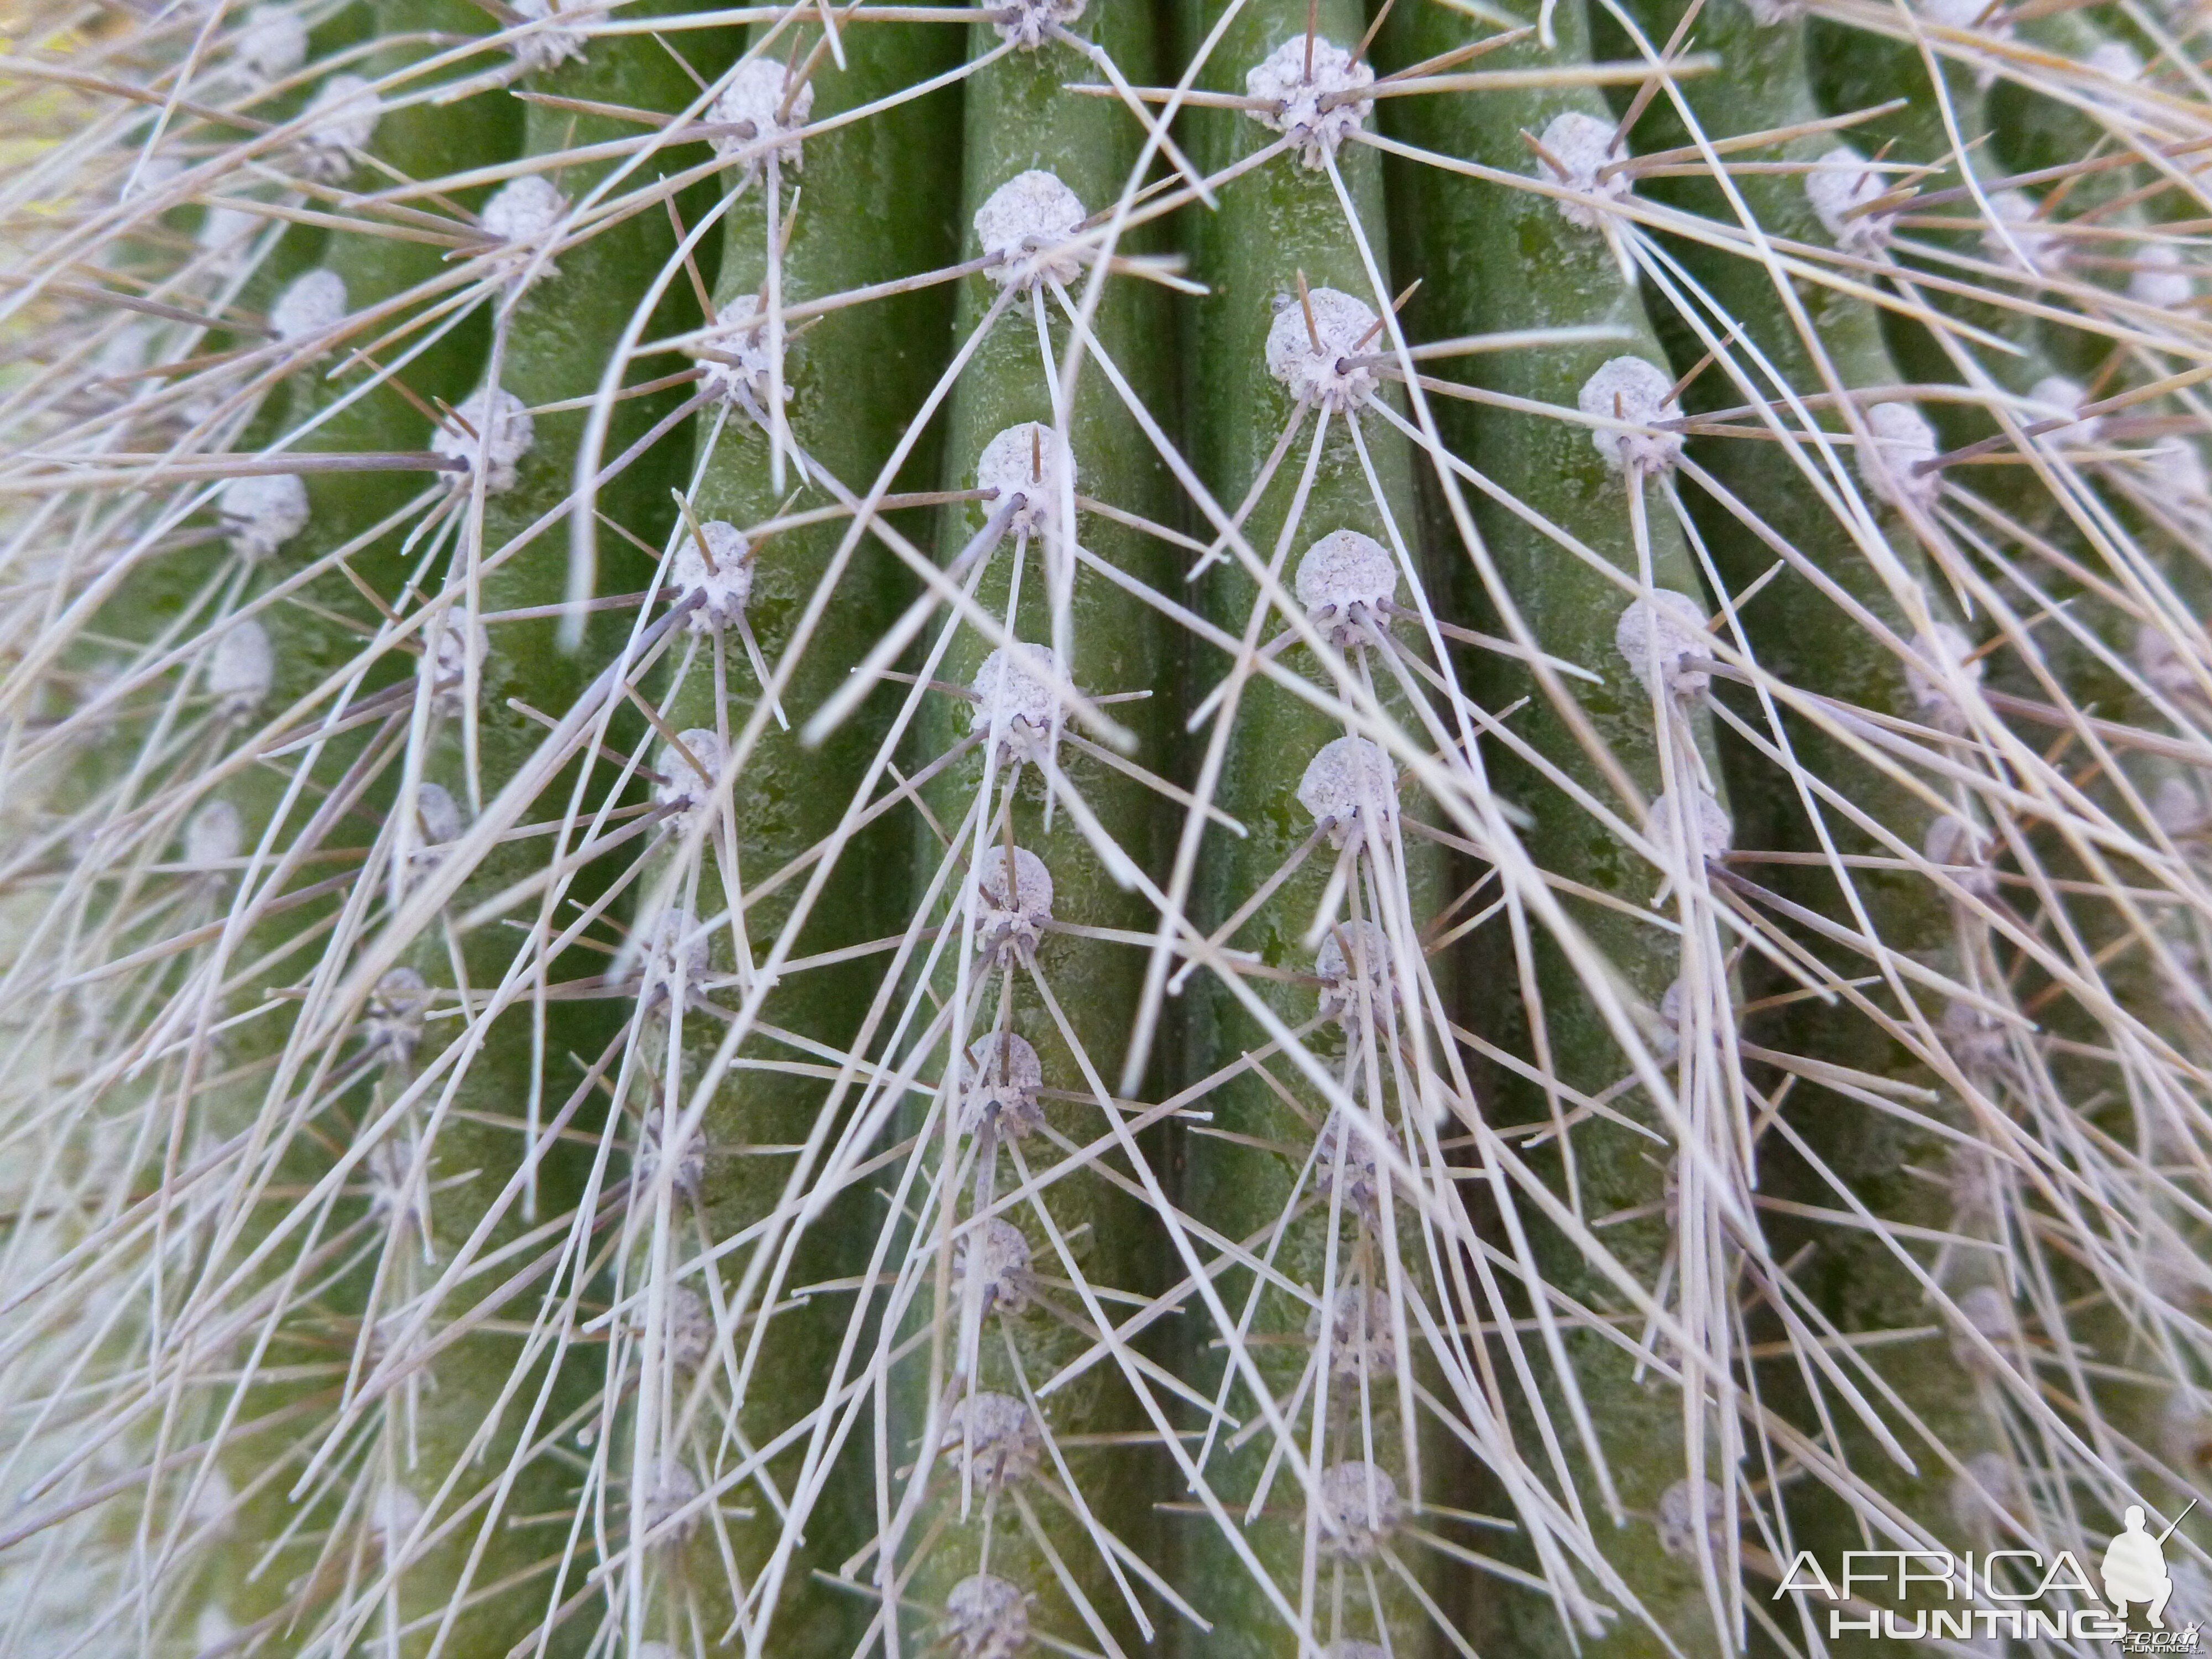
(2010, 1593)
(2135, 1568)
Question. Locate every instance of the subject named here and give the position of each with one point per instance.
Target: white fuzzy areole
(1001, 1256)
(525, 212)
(1360, 1337)
(391, 1023)
(986, 1617)
(1944, 646)
(1026, 905)
(999, 1084)
(686, 1163)
(1025, 226)
(524, 209)
(1680, 1508)
(393, 1514)
(690, 785)
(440, 815)
(1709, 823)
(1983, 1311)
(1636, 391)
(1350, 788)
(672, 1494)
(1356, 1510)
(2116, 59)
(398, 1194)
(1014, 698)
(2162, 277)
(241, 669)
(272, 42)
(723, 588)
(547, 46)
(1982, 1494)
(999, 1438)
(497, 434)
(312, 303)
(157, 172)
(1974, 1181)
(439, 821)
(1350, 1139)
(337, 126)
(1664, 1032)
(1011, 917)
(2054, 396)
(2185, 1428)
(225, 230)
(733, 353)
(2179, 470)
(687, 1330)
(1663, 639)
(1951, 14)
(676, 954)
(123, 353)
(1032, 891)
(2179, 809)
(261, 511)
(1353, 999)
(1840, 182)
(2164, 663)
(2026, 241)
(1901, 441)
(1346, 580)
(1767, 14)
(213, 835)
(1317, 110)
(1964, 849)
(1975, 1038)
(752, 106)
(1316, 362)
(445, 666)
(1576, 146)
(1026, 24)
(1024, 461)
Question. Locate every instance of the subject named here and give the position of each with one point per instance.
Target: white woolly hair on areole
(1026, 464)
(312, 303)
(1664, 641)
(1312, 91)
(1629, 393)
(1028, 227)
(712, 572)
(764, 109)
(1315, 345)
(1576, 150)
(1843, 189)
(489, 432)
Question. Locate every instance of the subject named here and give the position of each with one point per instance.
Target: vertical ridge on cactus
(854, 829)
(1296, 261)
(1815, 342)
(1598, 550)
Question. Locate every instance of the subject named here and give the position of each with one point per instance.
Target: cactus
(1242, 828)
